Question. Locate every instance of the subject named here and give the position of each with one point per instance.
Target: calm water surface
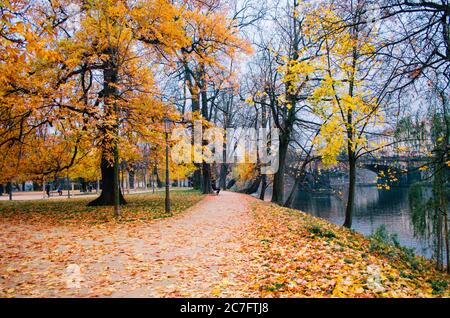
(373, 208)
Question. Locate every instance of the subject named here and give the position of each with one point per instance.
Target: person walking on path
(60, 192)
(9, 190)
(47, 189)
(213, 186)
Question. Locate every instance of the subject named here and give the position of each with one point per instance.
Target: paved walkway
(204, 252)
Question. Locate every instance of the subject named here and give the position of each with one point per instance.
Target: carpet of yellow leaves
(304, 256)
(44, 243)
(227, 246)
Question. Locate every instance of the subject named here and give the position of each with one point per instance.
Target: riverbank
(374, 208)
(305, 256)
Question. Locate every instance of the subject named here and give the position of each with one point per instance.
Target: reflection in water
(373, 208)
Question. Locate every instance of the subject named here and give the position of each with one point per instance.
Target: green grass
(140, 207)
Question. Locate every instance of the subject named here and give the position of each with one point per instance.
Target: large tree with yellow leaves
(78, 76)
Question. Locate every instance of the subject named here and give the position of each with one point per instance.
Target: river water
(373, 208)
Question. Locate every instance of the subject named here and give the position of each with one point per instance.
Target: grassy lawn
(140, 207)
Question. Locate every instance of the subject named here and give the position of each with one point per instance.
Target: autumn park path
(202, 252)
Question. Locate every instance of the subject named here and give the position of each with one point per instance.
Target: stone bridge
(390, 170)
(405, 169)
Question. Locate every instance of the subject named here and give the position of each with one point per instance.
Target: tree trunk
(206, 167)
(122, 181)
(131, 175)
(152, 182)
(9, 190)
(223, 169)
(253, 188)
(278, 179)
(262, 194)
(446, 238)
(439, 256)
(351, 191)
(223, 176)
(158, 180)
(111, 194)
(107, 197)
(145, 179)
(206, 178)
(83, 185)
(231, 183)
(116, 182)
(301, 175)
(196, 179)
(195, 100)
(291, 196)
(350, 143)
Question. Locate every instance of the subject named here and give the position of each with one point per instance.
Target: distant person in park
(47, 190)
(60, 191)
(9, 190)
(213, 186)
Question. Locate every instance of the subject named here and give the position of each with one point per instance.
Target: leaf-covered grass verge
(140, 207)
(304, 256)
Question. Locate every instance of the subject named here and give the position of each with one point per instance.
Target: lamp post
(167, 126)
(68, 184)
